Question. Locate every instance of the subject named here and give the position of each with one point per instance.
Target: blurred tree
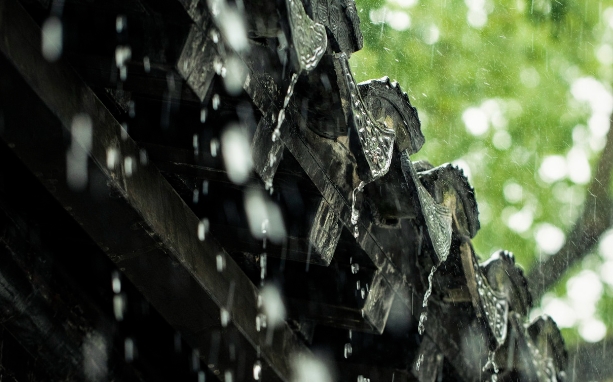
(518, 94)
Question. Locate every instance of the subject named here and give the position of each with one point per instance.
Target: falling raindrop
(264, 232)
(308, 368)
(203, 112)
(195, 196)
(224, 316)
(257, 370)
(120, 23)
(128, 164)
(195, 360)
(260, 321)
(116, 282)
(347, 350)
(203, 229)
(111, 158)
(195, 144)
(131, 110)
(146, 64)
(201, 376)
(221, 262)
(362, 293)
(128, 346)
(215, 36)
(355, 267)
(123, 54)
(215, 101)
(77, 154)
(263, 266)
(205, 187)
(119, 306)
(52, 39)
(214, 147)
(95, 355)
(228, 376)
(124, 131)
(272, 304)
(144, 159)
(217, 65)
(357, 285)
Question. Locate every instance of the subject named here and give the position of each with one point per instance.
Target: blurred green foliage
(451, 56)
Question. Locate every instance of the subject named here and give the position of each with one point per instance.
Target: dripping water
(491, 366)
(290, 91)
(424, 314)
(420, 359)
(355, 213)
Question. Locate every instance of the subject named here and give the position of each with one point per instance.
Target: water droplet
(144, 159)
(128, 165)
(131, 111)
(422, 322)
(355, 267)
(195, 144)
(263, 266)
(146, 64)
(214, 147)
(215, 102)
(347, 350)
(124, 131)
(221, 262)
(257, 370)
(120, 23)
(203, 228)
(203, 113)
(116, 282)
(260, 321)
(363, 293)
(52, 36)
(195, 360)
(224, 315)
(215, 36)
(111, 158)
(128, 346)
(123, 53)
(217, 65)
(119, 306)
